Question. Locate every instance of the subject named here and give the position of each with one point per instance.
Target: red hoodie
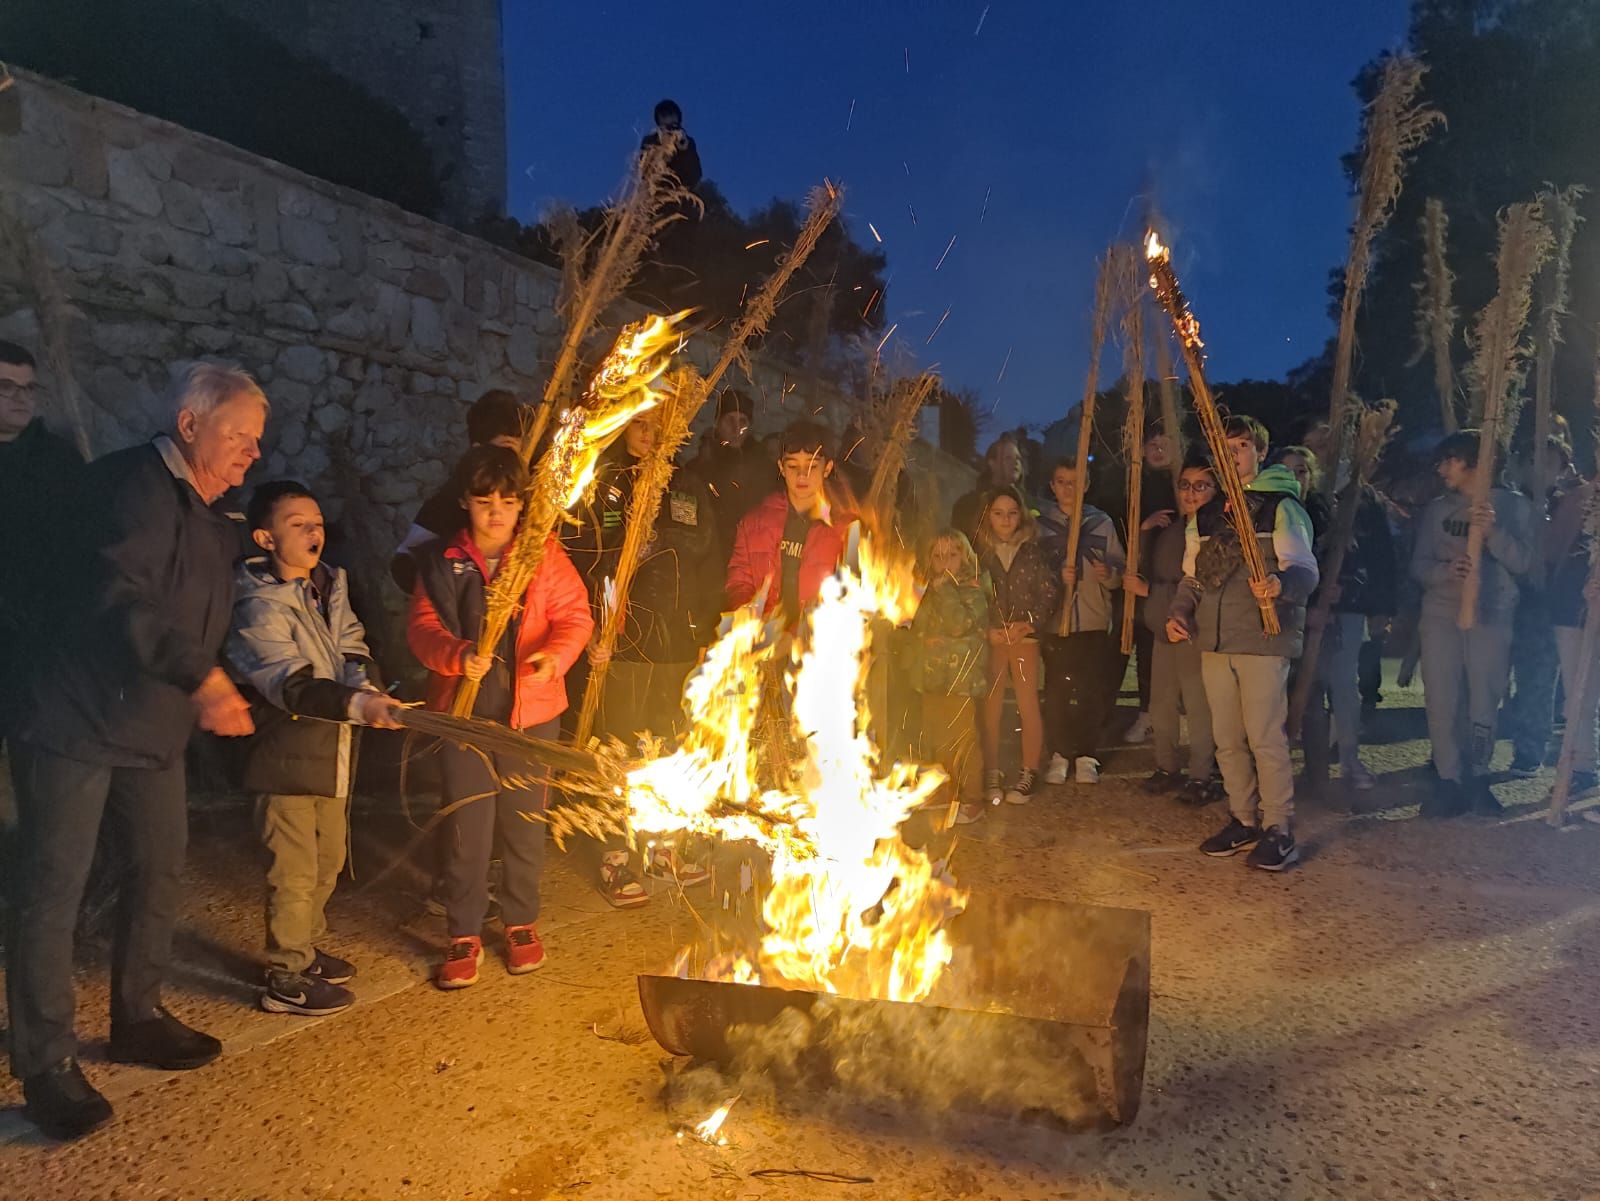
(449, 599)
(756, 556)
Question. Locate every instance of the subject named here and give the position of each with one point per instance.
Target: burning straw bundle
(620, 391)
(1104, 289)
(686, 397)
(1133, 429)
(1395, 125)
(1165, 282)
(652, 198)
(1497, 367)
(1562, 207)
(1436, 314)
(1580, 691)
(1374, 427)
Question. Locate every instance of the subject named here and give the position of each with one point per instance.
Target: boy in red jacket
(522, 684)
(790, 542)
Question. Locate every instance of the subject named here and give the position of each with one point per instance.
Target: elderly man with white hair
(146, 579)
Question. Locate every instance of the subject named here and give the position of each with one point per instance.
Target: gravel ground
(1409, 1013)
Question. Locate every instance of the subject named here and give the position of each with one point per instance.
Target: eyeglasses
(11, 390)
(1196, 486)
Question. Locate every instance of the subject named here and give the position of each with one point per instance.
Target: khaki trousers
(1249, 696)
(305, 835)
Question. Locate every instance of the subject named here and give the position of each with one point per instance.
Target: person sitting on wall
(106, 718)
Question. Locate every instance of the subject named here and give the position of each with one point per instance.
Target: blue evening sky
(1026, 130)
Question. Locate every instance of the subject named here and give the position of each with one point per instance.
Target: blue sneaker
(332, 969)
(1231, 839)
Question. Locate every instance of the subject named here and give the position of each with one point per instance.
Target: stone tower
(438, 61)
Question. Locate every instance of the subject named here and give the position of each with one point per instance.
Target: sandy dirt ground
(1409, 1013)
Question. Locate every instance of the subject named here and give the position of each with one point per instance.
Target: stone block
(210, 339)
(35, 163)
(392, 255)
(119, 339)
(351, 323)
(198, 291)
(230, 218)
(312, 463)
(308, 240)
(427, 330)
(454, 276)
(291, 314)
(352, 243)
(88, 152)
(291, 397)
(331, 417)
(88, 232)
(183, 207)
(425, 282)
(307, 364)
(291, 437)
(239, 297)
(206, 170)
(522, 350)
(190, 252)
(153, 158)
(232, 261)
(261, 197)
(271, 281)
(389, 488)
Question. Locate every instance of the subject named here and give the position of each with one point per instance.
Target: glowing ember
(851, 909)
(707, 1130)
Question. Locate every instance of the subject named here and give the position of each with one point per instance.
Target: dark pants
(60, 805)
(512, 803)
(1081, 676)
(1529, 714)
(1144, 643)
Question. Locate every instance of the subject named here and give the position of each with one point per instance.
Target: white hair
(204, 386)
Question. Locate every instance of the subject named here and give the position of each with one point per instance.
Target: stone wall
(438, 61)
(371, 329)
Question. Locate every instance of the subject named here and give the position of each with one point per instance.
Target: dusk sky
(1056, 116)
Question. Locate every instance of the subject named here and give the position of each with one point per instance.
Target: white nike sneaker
(1088, 770)
(1140, 730)
(1056, 773)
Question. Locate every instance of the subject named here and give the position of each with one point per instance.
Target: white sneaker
(1140, 730)
(968, 812)
(1056, 773)
(1088, 771)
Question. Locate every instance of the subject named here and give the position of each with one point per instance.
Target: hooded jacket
(447, 610)
(1215, 603)
(297, 666)
(1093, 607)
(1509, 548)
(1163, 569)
(1027, 591)
(756, 557)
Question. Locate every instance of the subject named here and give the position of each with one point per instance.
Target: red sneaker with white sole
(524, 951)
(460, 966)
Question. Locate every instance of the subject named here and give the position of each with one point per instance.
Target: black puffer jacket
(142, 621)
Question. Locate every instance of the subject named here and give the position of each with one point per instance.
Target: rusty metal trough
(1043, 1013)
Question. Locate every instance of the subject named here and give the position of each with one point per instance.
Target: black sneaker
(1446, 800)
(1275, 851)
(162, 1041)
(1198, 793)
(1481, 800)
(1161, 782)
(60, 1102)
(307, 995)
(1231, 839)
(332, 969)
(1020, 792)
(1525, 766)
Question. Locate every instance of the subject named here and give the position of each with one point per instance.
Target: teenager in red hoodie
(523, 684)
(790, 542)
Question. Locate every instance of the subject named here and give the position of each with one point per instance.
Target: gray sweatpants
(1249, 697)
(1175, 676)
(1337, 686)
(1464, 675)
(1580, 718)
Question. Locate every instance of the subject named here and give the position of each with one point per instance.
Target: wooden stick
(621, 389)
(1373, 428)
(1103, 287)
(1580, 691)
(1165, 282)
(1525, 242)
(1395, 125)
(1133, 430)
(1167, 379)
(684, 397)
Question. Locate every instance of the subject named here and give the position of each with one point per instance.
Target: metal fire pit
(1043, 1012)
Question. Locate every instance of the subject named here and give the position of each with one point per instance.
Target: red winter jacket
(447, 611)
(756, 558)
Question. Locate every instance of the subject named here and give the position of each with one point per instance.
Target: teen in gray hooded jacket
(300, 655)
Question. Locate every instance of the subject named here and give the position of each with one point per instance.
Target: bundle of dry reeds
(1106, 287)
(1580, 691)
(651, 199)
(1373, 428)
(55, 314)
(1394, 126)
(1498, 364)
(684, 393)
(1133, 425)
(623, 388)
(1561, 208)
(896, 422)
(1165, 282)
(1436, 312)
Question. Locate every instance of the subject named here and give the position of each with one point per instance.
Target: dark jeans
(515, 787)
(1144, 642)
(1081, 676)
(1529, 714)
(61, 803)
